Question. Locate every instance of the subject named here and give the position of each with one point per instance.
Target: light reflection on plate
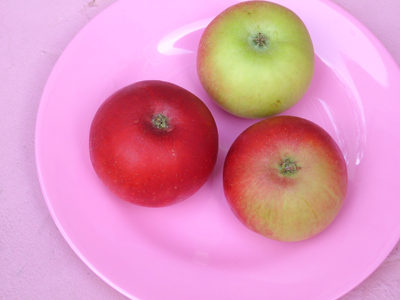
(197, 249)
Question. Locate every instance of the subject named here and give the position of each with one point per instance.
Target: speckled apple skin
(285, 207)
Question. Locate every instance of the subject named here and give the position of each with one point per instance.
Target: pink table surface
(35, 260)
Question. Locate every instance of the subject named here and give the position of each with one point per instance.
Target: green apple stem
(289, 167)
(160, 122)
(260, 40)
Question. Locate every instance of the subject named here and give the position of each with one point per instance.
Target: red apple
(153, 143)
(285, 178)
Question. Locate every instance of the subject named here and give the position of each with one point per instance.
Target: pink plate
(197, 249)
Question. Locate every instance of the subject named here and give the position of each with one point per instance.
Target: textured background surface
(35, 261)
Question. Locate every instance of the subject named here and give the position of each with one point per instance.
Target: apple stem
(160, 122)
(289, 167)
(260, 40)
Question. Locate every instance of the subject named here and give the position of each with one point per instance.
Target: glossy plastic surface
(197, 249)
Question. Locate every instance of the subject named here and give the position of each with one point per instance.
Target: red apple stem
(160, 122)
(289, 167)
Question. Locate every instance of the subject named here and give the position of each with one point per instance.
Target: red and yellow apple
(153, 143)
(285, 178)
(256, 59)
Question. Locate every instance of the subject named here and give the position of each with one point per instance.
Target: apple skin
(250, 77)
(285, 178)
(145, 162)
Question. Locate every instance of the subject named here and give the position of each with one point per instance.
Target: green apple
(256, 59)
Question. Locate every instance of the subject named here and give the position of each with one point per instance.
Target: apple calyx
(260, 40)
(289, 167)
(160, 122)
